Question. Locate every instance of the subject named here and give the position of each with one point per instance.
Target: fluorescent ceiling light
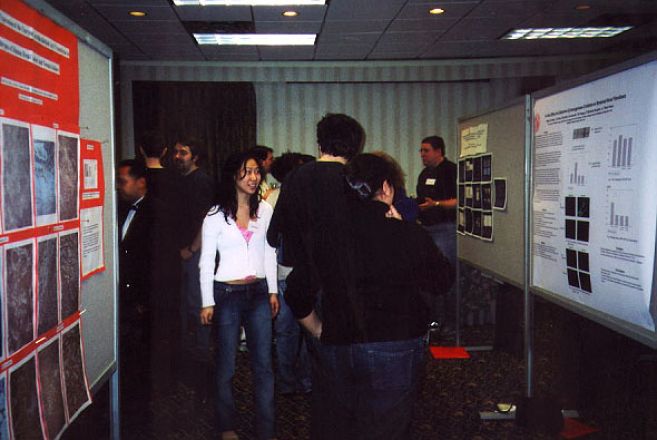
(256, 39)
(248, 2)
(573, 32)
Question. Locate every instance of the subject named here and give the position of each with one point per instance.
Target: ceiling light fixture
(256, 39)
(573, 32)
(248, 2)
(137, 13)
(582, 7)
(436, 11)
(290, 14)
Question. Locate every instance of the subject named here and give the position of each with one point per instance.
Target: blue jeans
(291, 352)
(365, 391)
(444, 306)
(248, 306)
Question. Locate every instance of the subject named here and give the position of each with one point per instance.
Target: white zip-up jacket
(237, 258)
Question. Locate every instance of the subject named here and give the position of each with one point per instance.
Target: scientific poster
(44, 174)
(16, 175)
(91, 226)
(19, 289)
(25, 419)
(474, 140)
(69, 272)
(595, 152)
(68, 159)
(50, 381)
(47, 286)
(77, 389)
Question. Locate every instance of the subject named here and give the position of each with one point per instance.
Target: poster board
(55, 92)
(503, 254)
(593, 214)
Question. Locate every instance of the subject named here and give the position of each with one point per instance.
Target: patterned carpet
(610, 379)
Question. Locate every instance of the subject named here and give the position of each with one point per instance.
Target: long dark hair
(366, 172)
(233, 169)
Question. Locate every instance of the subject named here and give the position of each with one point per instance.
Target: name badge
(430, 181)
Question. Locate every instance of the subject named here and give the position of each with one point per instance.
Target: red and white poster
(92, 195)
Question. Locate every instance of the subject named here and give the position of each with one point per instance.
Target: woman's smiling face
(248, 179)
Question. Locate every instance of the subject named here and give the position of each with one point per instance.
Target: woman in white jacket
(243, 289)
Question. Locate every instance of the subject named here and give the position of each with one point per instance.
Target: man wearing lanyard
(436, 197)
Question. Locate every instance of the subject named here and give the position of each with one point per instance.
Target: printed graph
(622, 148)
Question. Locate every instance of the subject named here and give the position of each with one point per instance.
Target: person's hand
(186, 253)
(428, 203)
(267, 193)
(206, 315)
(274, 304)
(393, 213)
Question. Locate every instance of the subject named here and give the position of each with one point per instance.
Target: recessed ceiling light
(248, 2)
(137, 13)
(256, 39)
(582, 7)
(573, 32)
(290, 14)
(436, 11)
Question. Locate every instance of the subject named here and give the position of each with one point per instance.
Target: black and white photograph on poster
(468, 195)
(50, 385)
(460, 227)
(468, 170)
(461, 170)
(486, 196)
(68, 153)
(476, 223)
(476, 195)
(16, 175)
(44, 174)
(468, 221)
(500, 193)
(487, 225)
(19, 293)
(487, 168)
(461, 195)
(75, 380)
(25, 417)
(476, 169)
(69, 272)
(4, 413)
(48, 316)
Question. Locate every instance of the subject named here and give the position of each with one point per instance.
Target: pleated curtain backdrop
(221, 114)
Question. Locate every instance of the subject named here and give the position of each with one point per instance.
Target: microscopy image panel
(52, 400)
(4, 422)
(476, 195)
(77, 395)
(19, 293)
(47, 287)
(571, 206)
(582, 231)
(571, 258)
(69, 272)
(571, 229)
(585, 282)
(573, 280)
(44, 177)
(486, 168)
(16, 180)
(487, 196)
(461, 171)
(583, 207)
(583, 259)
(68, 177)
(24, 402)
(477, 223)
(476, 169)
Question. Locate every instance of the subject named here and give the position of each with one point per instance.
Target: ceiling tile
(388, 54)
(363, 9)
(157, 27)
(286, 53)
(342, 51)
(296, 27)
(409, 38)
(399, 25)
(274, 13)
(351, 38)
(339, 26)
(479, 29)
(214, 13)
(520, 10)
(114, 13)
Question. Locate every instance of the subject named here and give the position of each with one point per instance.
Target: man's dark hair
(136, 168)
(195, 145)
(152, 143)
(435, 142)
(286, 162)
(261, 152)
(340, 135)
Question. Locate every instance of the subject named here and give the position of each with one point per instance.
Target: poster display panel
(50, 388)
(593, 213)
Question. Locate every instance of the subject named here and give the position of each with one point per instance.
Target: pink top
(245, 233)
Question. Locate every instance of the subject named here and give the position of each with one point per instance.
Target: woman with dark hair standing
(242, 291)
(373, 367)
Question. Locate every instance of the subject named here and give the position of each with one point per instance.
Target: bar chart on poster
(593, 211)
(57, 283)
